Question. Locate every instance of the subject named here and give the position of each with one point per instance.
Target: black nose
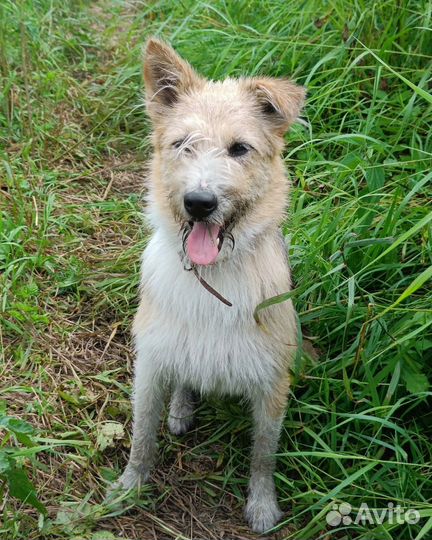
(200, 203)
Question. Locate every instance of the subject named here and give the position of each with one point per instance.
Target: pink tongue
(201, 243)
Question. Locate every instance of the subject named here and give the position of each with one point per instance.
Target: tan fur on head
(195, 123)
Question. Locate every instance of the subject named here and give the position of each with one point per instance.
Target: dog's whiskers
(185, 231)
(192, 139)
(230, 237)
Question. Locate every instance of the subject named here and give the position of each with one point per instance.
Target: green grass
(73, 145)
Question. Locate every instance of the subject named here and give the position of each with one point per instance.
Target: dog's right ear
(280, 100)
(166, 76)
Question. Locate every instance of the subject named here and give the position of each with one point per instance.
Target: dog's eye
(238, 149)
(179, 145)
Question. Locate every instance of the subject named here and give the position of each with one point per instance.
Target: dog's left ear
(166, 76)
(279, 100)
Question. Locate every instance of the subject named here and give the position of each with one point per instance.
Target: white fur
(194, 338)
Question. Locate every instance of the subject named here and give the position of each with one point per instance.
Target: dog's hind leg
(181, 411)
(262, 510)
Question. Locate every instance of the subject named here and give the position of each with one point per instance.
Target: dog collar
(209, 288)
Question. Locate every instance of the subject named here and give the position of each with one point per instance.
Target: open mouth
(203, 241)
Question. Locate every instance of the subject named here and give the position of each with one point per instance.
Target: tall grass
(73, 137)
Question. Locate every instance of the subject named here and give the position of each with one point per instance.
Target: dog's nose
(200, 203)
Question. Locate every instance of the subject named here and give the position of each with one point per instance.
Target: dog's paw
(180, 425)
(181, 411)
(262, 514)
(132, 477)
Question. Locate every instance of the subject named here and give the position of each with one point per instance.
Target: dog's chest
(197, 340)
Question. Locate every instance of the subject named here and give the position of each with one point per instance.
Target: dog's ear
(279, 100)
(166, 76)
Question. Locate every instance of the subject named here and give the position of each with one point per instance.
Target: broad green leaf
(16, 425)
(5, 462)
(416, 382)
(21, 488)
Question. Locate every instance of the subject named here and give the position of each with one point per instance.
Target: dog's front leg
(262, 510)
(148, 398)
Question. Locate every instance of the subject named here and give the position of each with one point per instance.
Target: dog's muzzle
(203, 235)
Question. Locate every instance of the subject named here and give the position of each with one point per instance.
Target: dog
(216, 198)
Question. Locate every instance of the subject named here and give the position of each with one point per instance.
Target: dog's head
(216, 172)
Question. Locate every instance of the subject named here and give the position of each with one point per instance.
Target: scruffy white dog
(217, 194)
